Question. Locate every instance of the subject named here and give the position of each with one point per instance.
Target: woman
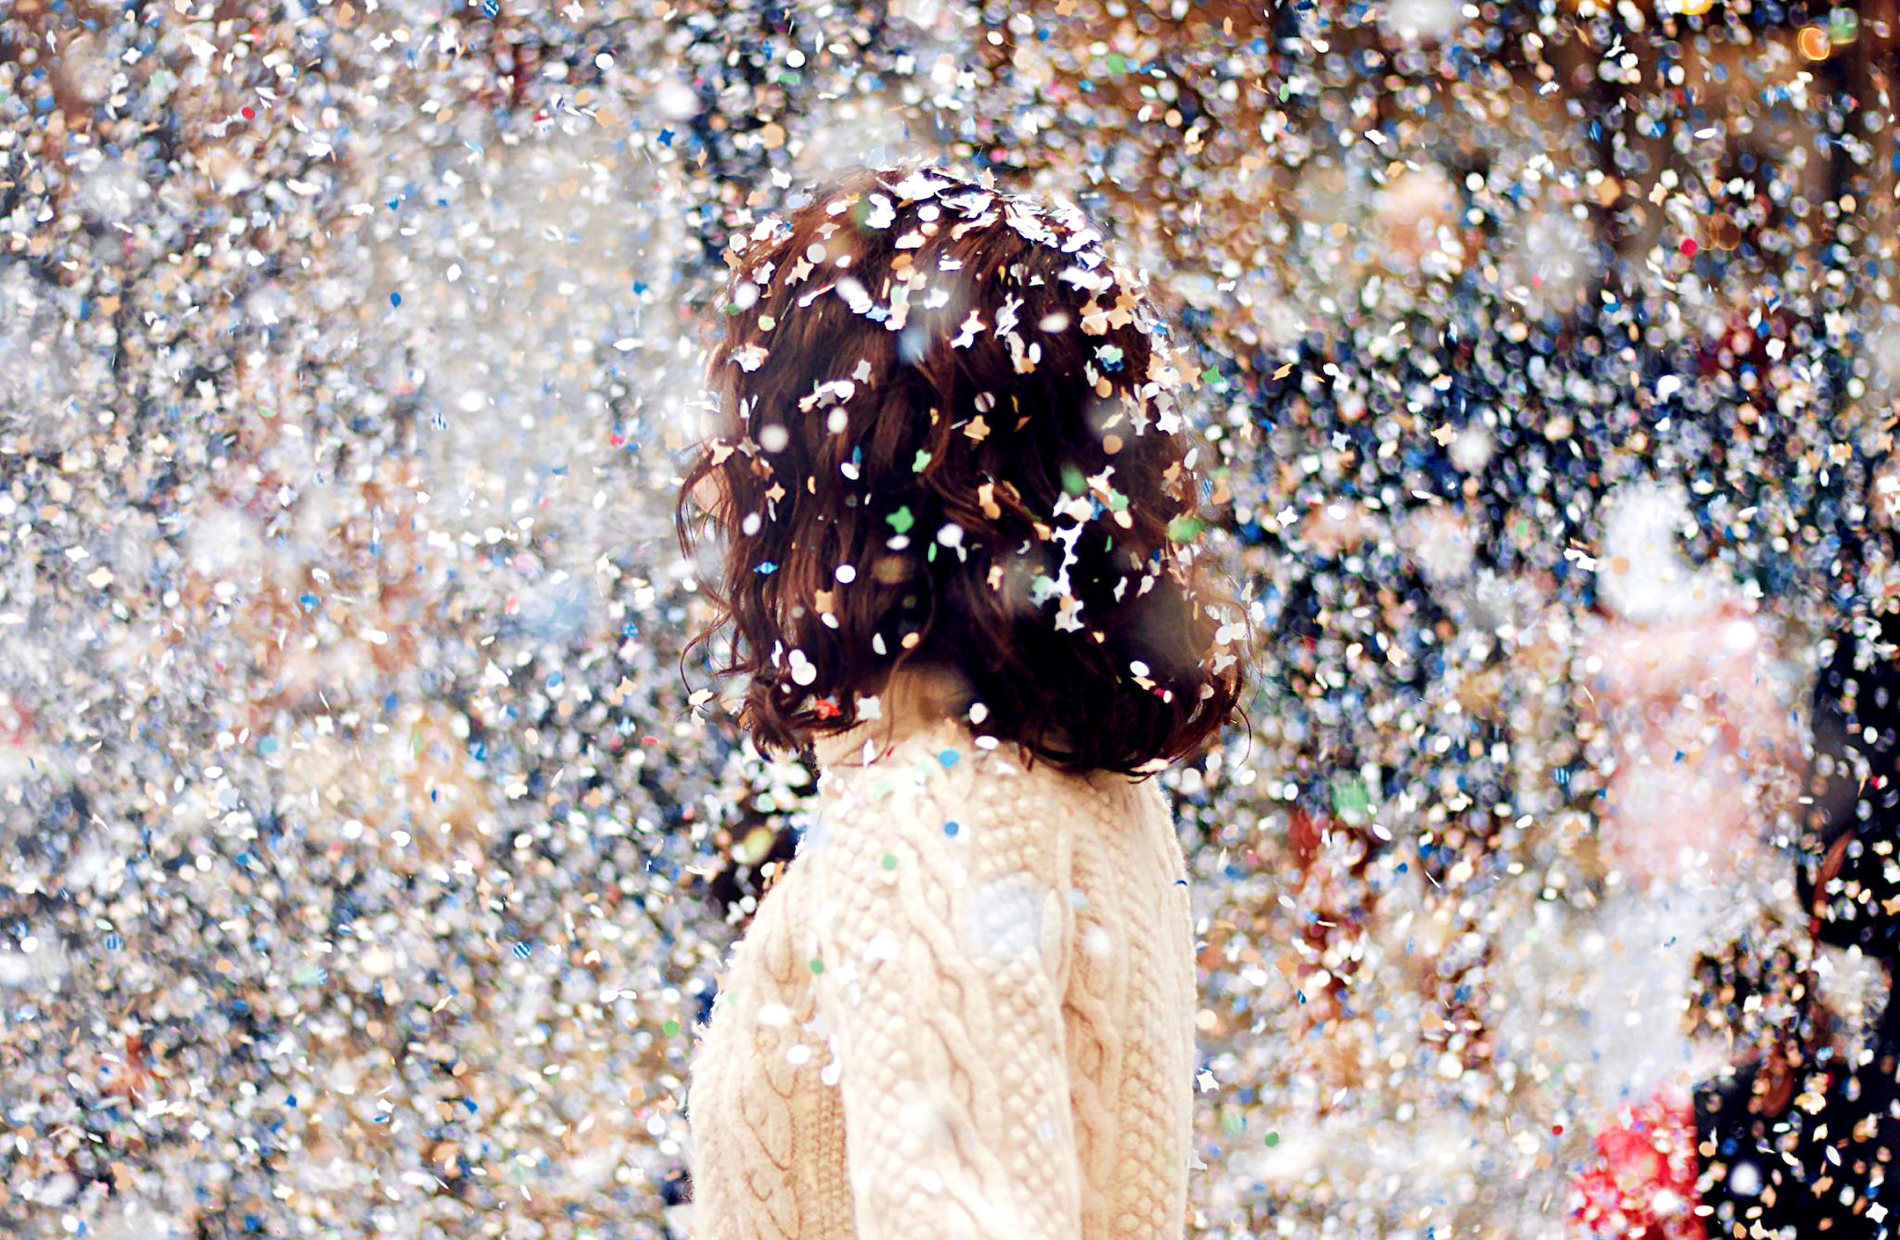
(960, 513)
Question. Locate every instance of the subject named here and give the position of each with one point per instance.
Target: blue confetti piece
(949, 758)
(395, 299)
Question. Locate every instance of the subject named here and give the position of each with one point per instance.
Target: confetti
(347, 771)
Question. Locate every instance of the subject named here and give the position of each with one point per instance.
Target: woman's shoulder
(938, 783)
(944, 761)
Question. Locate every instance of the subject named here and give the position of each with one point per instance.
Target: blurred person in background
(1684, 681)
(1794, 1137)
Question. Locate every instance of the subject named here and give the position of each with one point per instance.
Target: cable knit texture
(965, 1011)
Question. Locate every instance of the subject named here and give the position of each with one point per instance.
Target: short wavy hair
(949, 438)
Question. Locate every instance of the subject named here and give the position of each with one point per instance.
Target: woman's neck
(913, 698)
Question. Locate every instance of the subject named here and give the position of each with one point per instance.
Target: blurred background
(368, 854)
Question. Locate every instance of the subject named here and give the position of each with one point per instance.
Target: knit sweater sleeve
(943, 932)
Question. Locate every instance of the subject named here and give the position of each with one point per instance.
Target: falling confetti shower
(366, 861)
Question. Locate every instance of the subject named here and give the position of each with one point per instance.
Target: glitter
(343, 707)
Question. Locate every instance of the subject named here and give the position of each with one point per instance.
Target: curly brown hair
(949, 439)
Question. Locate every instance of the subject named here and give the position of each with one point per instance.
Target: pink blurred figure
(1683, 678)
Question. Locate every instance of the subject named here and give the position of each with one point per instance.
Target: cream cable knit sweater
(964, 1011)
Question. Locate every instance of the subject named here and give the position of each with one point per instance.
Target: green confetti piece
(672, 1028)
(1185, 529)
(1273, 1139)
(1350, 796)
(1073, 480)
(817, 966)
(890, 861)
(902, 520)
(919, 461)
(1117, 63)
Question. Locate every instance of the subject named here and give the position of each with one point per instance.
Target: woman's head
(949, 440)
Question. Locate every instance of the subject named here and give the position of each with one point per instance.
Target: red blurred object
(1644, 1183)
(1304, 832)
(16, 721)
